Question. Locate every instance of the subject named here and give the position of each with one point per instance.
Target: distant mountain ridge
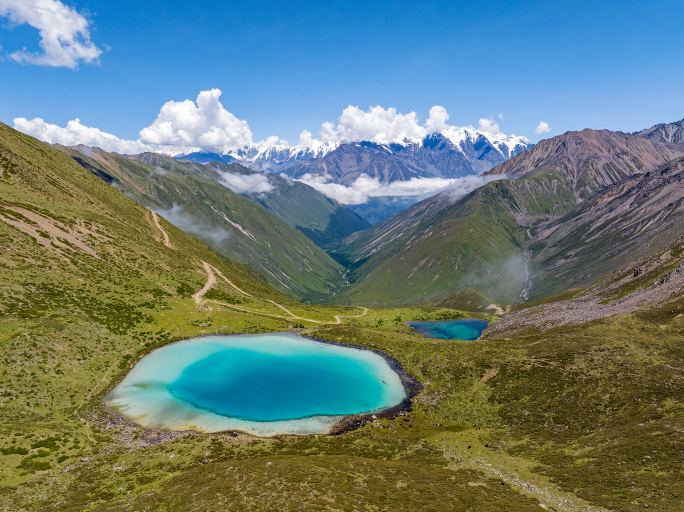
(276, 158)
(664, 132)
(486, 239)
(456, 152)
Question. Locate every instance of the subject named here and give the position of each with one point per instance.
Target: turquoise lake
(468, 329)
(263, 384)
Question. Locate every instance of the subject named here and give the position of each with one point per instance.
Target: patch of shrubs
(14, 450)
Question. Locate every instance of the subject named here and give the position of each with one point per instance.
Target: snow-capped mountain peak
(275, 157)
(506, 145)
(479, 151)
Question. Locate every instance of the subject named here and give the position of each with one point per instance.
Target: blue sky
(287, 67)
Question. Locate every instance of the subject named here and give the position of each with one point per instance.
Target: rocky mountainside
(320, 218)
(620, 224)
(232, 225)
(550, 213)
(590, 160)
(664, 132)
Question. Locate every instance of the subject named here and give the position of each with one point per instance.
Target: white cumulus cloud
(305, 139)
(542, 127)
(380, 125)
(386, 126)
(180, 127)
(366, 187)
(487, 125)
(436, 122)
(246, 183)
(206, 125)
(64, 35)
(75, 133)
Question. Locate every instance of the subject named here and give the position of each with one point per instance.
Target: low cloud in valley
(192, 225)
(366, 187)
(246, 183)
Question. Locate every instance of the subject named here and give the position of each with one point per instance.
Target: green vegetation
(467, 299)
(233, 226)
(320, 218)
(574, 418)
(435, 247)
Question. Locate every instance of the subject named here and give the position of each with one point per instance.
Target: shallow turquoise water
(469, 329)
(264, 384)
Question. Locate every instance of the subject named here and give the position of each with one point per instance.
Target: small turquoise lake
(262, 384)
(468, 329)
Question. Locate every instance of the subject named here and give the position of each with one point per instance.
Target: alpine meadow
(400, 311)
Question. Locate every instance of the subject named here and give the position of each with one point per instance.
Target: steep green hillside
(467, 299)
(439, 246)
(547, 409)
(320, 218)
(232, 225)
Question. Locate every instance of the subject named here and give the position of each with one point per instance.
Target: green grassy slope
(320, 218)
(230, 224)
(579, 417)
(465, 299)
(439, 246)
(88, 286)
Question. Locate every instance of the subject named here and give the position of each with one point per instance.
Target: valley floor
(581, 417)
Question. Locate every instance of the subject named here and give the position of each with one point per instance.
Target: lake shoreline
(346, 423)
(412, 386)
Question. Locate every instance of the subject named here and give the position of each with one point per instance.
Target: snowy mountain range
(455, 152)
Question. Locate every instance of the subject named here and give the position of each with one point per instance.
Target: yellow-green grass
(592, 410)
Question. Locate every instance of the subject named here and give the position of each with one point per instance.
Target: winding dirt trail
(209, 270)
(167, 240)
(338, 318)
(211, 281)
